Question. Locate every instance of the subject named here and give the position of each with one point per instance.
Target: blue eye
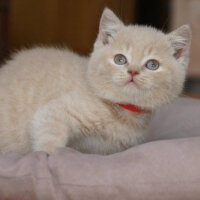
(120, 59)
(152, 64)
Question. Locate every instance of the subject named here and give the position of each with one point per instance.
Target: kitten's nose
(133, 73)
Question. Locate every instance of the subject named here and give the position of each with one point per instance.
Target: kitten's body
(38, 77)
(53, 98)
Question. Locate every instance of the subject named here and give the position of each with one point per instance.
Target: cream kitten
(52, 98)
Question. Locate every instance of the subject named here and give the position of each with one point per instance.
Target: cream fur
(52, 98)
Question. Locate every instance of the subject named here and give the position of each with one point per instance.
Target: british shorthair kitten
(51, 98)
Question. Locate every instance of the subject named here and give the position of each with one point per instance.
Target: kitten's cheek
(118, 81)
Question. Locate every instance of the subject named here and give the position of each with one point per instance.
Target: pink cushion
(159, 170)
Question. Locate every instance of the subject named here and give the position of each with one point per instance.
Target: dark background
(74, 23)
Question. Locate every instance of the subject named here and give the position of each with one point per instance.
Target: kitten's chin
(132, 93)
(141, 97)
(131, 89)
(133, 97)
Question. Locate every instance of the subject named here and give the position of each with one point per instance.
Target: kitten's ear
(109, 26)
(180, 40)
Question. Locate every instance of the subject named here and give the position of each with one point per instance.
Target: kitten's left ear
(109, 26)
(180, 40)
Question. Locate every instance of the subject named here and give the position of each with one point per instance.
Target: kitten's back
(45, 70)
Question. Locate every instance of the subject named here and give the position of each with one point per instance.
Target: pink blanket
(158, 170)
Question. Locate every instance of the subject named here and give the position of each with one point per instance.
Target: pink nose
(133, 73)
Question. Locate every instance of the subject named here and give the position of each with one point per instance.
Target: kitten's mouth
(132, 82)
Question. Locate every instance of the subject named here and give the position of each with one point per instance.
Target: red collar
(130, 107)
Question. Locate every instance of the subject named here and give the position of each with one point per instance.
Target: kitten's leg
(51, 128)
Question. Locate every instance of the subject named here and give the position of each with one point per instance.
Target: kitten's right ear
(109, 26)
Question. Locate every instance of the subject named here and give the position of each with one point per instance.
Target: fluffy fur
(52, 98)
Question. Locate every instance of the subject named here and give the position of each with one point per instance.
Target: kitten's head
(137, 64)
